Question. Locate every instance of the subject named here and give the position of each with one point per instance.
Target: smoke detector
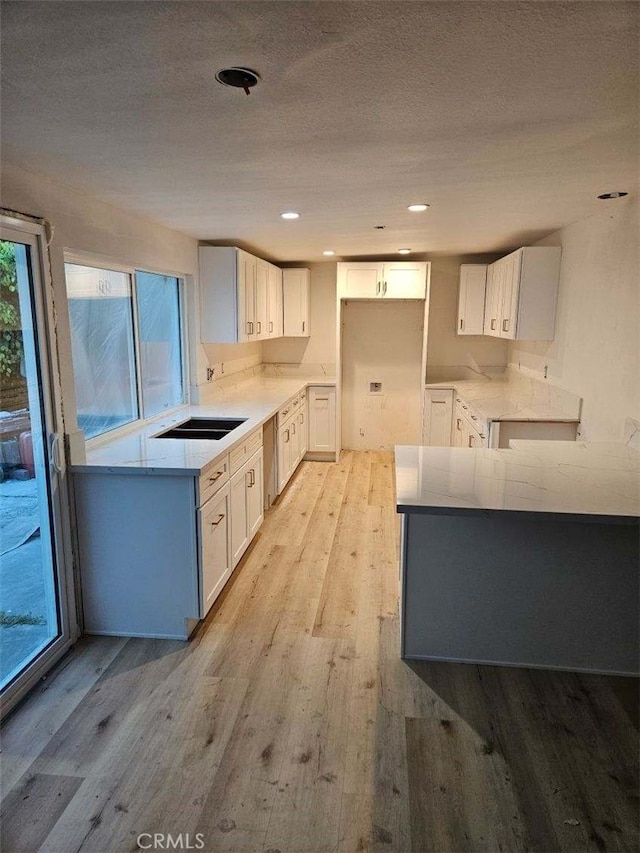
(240, 78)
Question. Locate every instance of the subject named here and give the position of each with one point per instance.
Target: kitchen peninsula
(524, 557)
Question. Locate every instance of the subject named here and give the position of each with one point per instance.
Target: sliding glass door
(33, 583)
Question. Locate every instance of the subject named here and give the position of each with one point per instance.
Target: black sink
(207, 428)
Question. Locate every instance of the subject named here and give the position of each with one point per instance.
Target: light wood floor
(290, 724)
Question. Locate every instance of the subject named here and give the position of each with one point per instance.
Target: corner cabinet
(471, 299)
(521, 294)
(295, 302)
(390, 280)
(240, 296)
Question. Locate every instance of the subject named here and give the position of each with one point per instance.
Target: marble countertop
(503, 399)
(140, 452)
(553, 479)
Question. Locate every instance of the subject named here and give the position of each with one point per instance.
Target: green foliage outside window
(10, 333)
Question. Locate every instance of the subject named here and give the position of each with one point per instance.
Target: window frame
(105, 263)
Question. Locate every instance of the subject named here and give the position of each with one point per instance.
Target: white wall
(447, 352)
(596, 350)
(320, 347)
(80, 223)
(381, 342)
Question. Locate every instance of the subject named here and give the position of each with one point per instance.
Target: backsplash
(300, 370)
(542, 392)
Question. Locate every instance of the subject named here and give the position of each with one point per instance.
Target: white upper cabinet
(262, 300)
(390, 279)
(240, 296)
(295, 302)
(522, 292)
(274, 302)
(471, 299)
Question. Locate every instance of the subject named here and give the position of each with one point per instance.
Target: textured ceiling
(507, 117)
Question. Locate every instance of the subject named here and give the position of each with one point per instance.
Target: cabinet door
(295, 302)
(404, 280)
(303, 427)
(471, 299)
(438, 413)
(215, 555)
(510, 285)
(255, 504)
(322, 419)
(294, 445)
(261, 308)
(360, 280)
(284, 440)
(246, 296)
(238, 506)
(492, 300)
(275, 301)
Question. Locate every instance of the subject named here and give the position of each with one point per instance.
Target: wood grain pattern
(289, 723)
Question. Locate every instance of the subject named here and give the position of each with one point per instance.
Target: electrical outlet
(210, 373)
(375, 387)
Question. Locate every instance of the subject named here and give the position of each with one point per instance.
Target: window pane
(159, 332)
(100, 315)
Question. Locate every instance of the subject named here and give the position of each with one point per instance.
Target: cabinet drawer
(211, 481)
(242, 452)
(286, 411)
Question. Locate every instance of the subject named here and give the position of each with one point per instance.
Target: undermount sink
(204, 428)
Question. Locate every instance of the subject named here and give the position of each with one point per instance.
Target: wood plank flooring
(289, 724)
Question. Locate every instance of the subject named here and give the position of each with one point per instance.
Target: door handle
(270, 326)
(461, 324)
(384, 288)
(55, 454)
(286, 432)
(505, 325)
(259, 327)
(377, 288)
(493, 325)
(293, 428)
(303, 325)
(458, 427)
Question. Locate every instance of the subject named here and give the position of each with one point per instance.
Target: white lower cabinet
(292, 440)
(438, 411)
(215, 550)
(246, 505)
(322, 419)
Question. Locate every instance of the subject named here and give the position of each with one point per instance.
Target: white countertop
(502, 399)
(592, 481)
(138, 451)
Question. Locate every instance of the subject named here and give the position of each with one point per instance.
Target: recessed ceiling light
(614, 194)
(290, 214)
(404, 251)
(328, 252)
(417, 208)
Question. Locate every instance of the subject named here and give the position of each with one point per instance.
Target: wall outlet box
(375, 387)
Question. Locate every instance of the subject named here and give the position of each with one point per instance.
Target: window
(110, 341)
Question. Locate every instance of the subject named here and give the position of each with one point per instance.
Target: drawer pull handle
(259, 327)
(461, 323)
(493, 325)
(270, 325)
(378, 288)
(473, 417)
(217, 476)
(286, 432)
(458, 427)
(505, 325)
(324, 399)
(293, 428)
(216, 523)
